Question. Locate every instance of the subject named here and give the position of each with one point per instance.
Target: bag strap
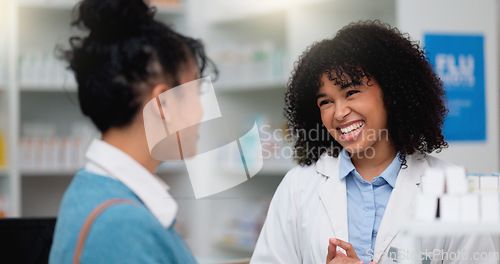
(90, 220)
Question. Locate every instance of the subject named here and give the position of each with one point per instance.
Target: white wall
(463, 17)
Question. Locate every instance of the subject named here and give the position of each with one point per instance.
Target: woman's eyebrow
(349, 84)
(320, 95)
(346, 85)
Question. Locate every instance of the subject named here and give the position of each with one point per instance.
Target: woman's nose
(341, 110)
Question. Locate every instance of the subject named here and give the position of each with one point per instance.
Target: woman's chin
(359, 150)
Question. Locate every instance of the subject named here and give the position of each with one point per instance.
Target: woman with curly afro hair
(365, 109)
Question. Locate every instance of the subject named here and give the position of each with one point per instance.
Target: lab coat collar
(400, 206)
(327, 165)
(333, 195)
(107, 160)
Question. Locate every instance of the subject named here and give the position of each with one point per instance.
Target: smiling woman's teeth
(352, 128)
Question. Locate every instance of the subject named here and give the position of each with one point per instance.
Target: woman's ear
(157, 90)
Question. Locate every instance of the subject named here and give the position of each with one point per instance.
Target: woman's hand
(338, 257)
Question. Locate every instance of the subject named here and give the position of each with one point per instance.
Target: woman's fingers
(344, 245)
(332, 253)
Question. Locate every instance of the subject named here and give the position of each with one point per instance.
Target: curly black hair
(126, 52)
(413, 94)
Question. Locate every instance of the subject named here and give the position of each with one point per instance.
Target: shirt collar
(390, 174)
(107, 160)
(346, 165)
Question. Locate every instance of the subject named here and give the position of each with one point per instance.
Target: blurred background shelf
(65, 5)
(48, 88)
(223, 260)
(48, 172)
(170, 9)
(243, 16)
(254, 86)
(236, 247)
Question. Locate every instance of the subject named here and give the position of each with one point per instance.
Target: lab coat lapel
(400, 205)
(333, 195)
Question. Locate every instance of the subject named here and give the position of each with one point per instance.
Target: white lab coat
(310, 206)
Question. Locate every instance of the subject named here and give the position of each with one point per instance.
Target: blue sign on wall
(459, 62)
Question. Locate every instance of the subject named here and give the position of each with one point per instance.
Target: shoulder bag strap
(90, 220)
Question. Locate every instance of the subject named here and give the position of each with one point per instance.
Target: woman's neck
(132, 141)
(371, 165)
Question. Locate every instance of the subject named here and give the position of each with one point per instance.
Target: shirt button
(378, 181)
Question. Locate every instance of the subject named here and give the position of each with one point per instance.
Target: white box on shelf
(473, 183)
(470, 208)
(426, 207)
(489, 207)
(449, 208)
(488, 183)
(456, 180)
(433, 182)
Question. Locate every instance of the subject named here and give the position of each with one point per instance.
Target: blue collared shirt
(366, 203)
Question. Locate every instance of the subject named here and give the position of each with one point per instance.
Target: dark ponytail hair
(125, 53)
